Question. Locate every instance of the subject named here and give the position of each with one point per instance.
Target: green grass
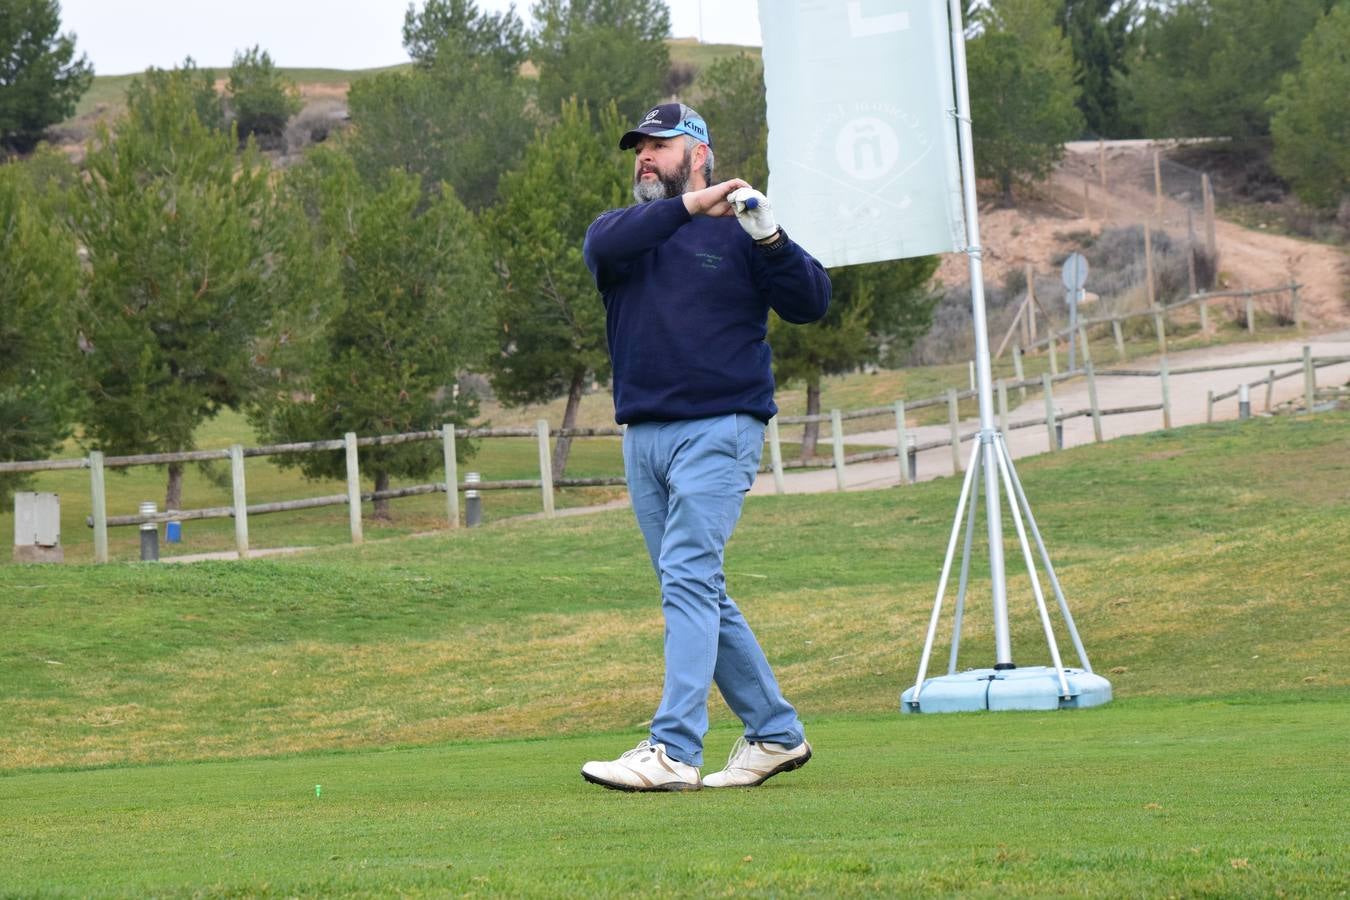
(445, 690)
(1141, 799)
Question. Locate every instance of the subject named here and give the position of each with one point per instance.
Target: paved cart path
(1188, 394)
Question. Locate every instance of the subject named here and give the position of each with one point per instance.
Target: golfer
(688, 276)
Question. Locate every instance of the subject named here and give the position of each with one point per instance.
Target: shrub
(262, 98)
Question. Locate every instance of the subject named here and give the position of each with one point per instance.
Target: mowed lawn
(163, 728)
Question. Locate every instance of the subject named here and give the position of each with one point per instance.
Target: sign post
(1074, 275)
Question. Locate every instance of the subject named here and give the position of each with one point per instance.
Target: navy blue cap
(668, 120)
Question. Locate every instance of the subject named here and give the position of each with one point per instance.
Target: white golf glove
(754, 212)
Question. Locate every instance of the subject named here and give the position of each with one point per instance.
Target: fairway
(164, 728)
(1134, 799)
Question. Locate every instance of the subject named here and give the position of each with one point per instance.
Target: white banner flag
(862, 142)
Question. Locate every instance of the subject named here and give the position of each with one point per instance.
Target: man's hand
(712, 201)
(754, 212)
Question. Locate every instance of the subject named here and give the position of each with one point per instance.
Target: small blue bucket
(173, 532)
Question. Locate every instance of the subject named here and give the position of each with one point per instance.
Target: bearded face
(662, 169)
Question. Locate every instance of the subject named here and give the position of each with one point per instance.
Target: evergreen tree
(40, 79)
(1208, 67)
(458, 119)
(731, 99)
(550, 323)
(180, 280)
(413, 279)
(1022, 93)
(1310, 125)
(39, 284)
(602, 50)
(263, 99)
(499, 37)
(1101, 35)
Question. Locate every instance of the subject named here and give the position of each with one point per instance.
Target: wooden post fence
(1092, 402)
(449, 453)
(240, 497)
(953, 420)
(776, 456)
(902, 439)
(98, 501)
(353, 488)
(1048, 389)
(837, 439)
(545, 467)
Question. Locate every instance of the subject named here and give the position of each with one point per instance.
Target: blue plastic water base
(1033, 687)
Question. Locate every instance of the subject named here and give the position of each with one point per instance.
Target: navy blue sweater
(687, 303)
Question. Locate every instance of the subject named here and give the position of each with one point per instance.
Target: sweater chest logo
(709, 260)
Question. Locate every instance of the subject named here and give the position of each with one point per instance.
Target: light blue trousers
(687, 481)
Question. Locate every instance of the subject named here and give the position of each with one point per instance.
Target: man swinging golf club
(688, 276)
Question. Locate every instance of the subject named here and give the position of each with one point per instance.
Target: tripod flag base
(1033, 687)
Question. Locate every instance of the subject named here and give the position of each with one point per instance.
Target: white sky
(124, 36)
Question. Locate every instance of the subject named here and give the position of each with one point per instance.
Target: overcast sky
(130, 35)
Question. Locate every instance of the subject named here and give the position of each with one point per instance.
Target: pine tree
(550, 322)
(412, 279)
(40, 79)
(39, 284)
(1310, 125)
(178, 229)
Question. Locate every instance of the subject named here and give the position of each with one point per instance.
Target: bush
(263, 99)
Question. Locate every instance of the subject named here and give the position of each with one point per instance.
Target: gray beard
(664, 188)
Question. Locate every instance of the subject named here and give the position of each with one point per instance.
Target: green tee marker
(318, 790)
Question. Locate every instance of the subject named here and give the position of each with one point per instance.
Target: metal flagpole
(983, 374)
(1005, 685)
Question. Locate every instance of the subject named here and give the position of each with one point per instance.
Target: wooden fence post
(353, 488)
(98, 501)
(451, 474)
(1119, 338)
(1209, 405)
(1270, 389)
(1052, 346)
(1148, 267)
(1204, 317)
(1160, 326)
(240, 500)
(1092, 402)
(545, 467)
(1047, 389)
(1157, 186)
(776, 456)
(1309, 377)
(902, 439)
(1249, 311)
(1003, 406)
(837, 439)
(1101, 161)
(1166, 393)
(1083, 342)
(1021, 377)
(1207, 193)
(1031, 303)
(954, 420)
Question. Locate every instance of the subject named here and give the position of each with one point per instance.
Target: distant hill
(106, 98)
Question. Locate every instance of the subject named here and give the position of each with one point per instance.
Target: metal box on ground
(37, 527)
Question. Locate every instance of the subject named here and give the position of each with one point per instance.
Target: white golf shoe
(644, 768)
(752, 763)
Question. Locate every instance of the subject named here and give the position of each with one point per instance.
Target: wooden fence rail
(1160, 312)
(906, 449)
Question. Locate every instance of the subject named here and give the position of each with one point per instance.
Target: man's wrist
(775, 241)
